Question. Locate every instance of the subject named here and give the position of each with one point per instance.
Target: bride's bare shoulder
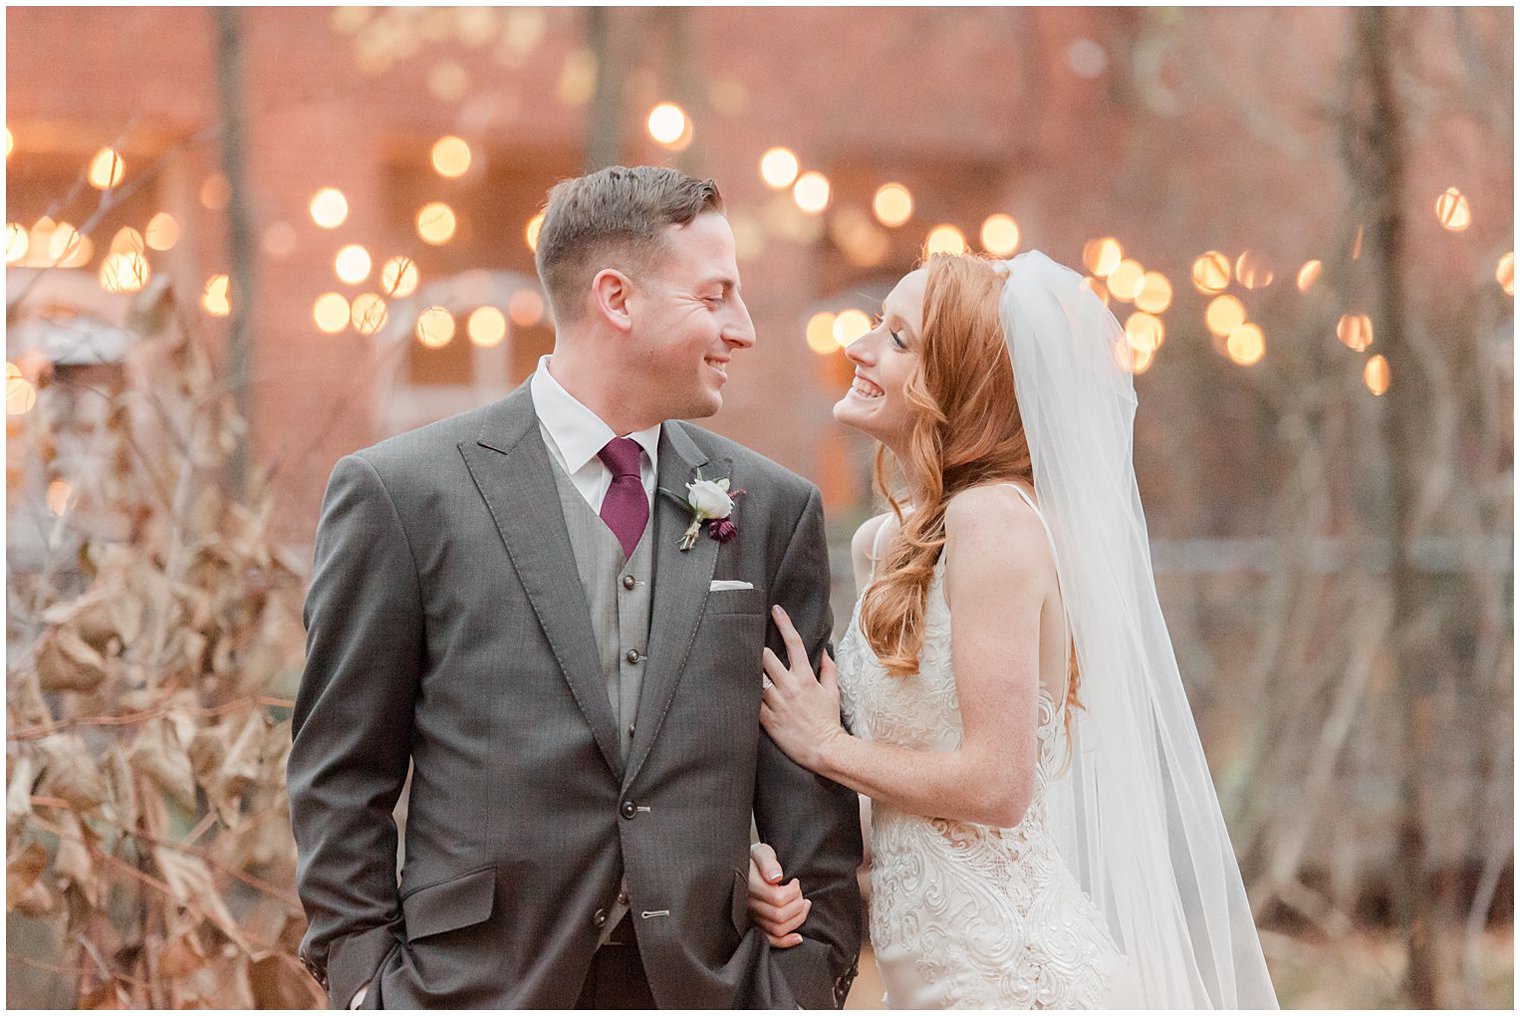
(994, 529)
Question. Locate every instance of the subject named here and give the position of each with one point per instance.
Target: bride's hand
(798, 710)
(777, 910)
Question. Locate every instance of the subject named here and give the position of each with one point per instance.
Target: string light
(436, 223)
(367, 313)
(779, 168)
(811, 192)
(1211, 273)
(669, 125)
(1254, 270)
(1354, 331)
(329, 208)
(451, 157)
(1000, 235)
(850, 325)
(1504, 273)
(1246, 345)
(487, 327)
(820, 333)
(892, 205)
(16, 243)
(1144, 332)
(352, 264)
(399, 277)
(1155, 293)
(214, 296)
(1452, 210)
(435, 327)
(331, 313)
(945, 239)
(1102, 256)
(162, 232)
(1224, 314)
(530, 232)
(106, 169)
(1375, 374)
(1308, 275)
(1125, 281)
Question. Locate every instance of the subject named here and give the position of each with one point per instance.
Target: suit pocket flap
(736, 601)
(448, 906)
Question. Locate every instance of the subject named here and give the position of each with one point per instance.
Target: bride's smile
(885, 359)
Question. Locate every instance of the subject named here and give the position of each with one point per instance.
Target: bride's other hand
(798, 710)
(777, 910)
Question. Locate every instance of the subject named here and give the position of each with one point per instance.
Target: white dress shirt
(574, 435)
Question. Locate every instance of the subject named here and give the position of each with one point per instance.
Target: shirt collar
(578, 432)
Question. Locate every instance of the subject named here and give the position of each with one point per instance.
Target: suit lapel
(510, 466)
(681, 582)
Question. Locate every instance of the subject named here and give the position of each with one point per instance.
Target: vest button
(629, 582)
(633, 656)
(628, 810)
(622, 897)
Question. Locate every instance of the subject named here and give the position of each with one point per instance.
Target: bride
(1044, 830)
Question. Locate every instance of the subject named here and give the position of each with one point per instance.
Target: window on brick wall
(479, 289)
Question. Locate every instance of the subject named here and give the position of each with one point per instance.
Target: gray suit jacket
(447, 628)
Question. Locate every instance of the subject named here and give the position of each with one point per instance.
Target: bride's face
(884, 357)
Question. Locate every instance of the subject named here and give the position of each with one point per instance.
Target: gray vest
(619, 596)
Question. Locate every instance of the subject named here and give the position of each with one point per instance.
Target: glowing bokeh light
(451, 157)
(162, 232)
(399, 276)
(16, 242)
(1211, 273)
(945, 239)
(367, 313)
(1354, 331)
(1375, 374)
(331, 313)
(820, 333)
(1144, 332)
(1453, 211)
(1000, 234)
(1246, 345)
(892, 205)
(329, 208)
(811, 192)
(487, 326)
(352, 264)
(214, 300)
(530, 231)
(526, 308)
(779, 168)
(1126, 280)
(1155, 293)
(1254, 270)
(850, 325)
(1224, 315)
(436, 223)
(128, 241)
(1102, 256)
(124, 272)
(1504, 272)
(669, 125)
(1308, 275)
(435, 327)
(106, 169)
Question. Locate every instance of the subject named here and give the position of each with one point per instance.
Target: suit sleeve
(352, 728)
(813, 823)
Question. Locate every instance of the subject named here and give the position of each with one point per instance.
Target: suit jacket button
(599, 918)
(628, 809)
(629, 582)
(634, 656)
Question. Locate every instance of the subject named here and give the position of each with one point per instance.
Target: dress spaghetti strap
(1065, 614)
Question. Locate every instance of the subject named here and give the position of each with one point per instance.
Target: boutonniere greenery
(710, 504)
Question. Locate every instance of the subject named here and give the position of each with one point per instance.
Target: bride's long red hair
(966, 432)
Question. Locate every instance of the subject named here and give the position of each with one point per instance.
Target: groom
(504, 602)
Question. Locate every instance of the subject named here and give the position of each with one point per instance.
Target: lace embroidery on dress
(962, 914)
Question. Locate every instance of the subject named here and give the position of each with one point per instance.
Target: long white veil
(1135, 814)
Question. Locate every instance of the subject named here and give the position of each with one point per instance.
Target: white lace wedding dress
(966, 915)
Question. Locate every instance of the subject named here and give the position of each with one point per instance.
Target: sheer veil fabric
(1135, 813)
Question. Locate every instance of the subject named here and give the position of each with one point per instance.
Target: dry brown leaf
(158, 754)
(23, 868)
(66, 662)
(194, 889)
(122, 786)
(71, 772)
(74, 862)
(18, 794)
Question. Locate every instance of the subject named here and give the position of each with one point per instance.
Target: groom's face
(688, 321)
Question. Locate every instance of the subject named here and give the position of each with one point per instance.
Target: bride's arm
(998, 570)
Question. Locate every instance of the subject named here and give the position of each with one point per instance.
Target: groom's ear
(610, 292)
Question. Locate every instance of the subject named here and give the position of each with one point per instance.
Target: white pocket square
(719, 585)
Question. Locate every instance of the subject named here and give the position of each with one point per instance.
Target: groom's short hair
(612, 218)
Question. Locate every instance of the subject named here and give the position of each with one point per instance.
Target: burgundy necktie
(625, 509)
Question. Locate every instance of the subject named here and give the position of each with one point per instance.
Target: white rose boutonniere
(710, 504)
